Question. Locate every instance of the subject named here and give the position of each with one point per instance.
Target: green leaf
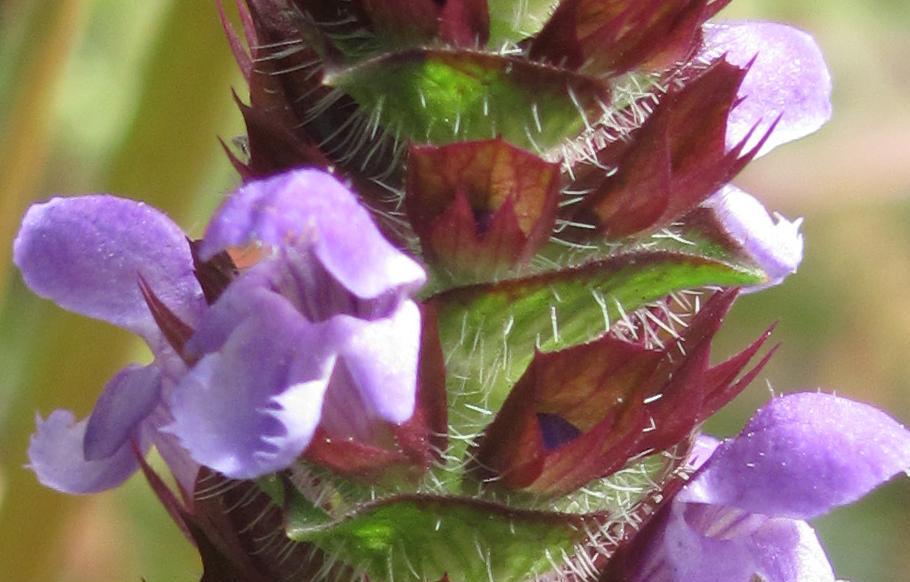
(420, 538)
(489, 333)
(441, 96)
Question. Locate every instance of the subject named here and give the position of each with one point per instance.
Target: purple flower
(318, 332)
(85, 254)
(787, 78)
(787, 83)
(744, 514)
(774, 243)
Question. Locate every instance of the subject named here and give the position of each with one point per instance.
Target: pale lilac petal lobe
(788, 78)
(381, 357)
(55, 455)
(788, 550)
(702, 449)
(681, 554)
(775, 244)
(251, 408)
(184, 469)
(802, 455)
(298, 408)
(127, 399)
(252, 293)
(312, 210)
(87, 253)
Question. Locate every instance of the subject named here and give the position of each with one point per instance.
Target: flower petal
(678, 553)
(55, 455)
(801, 455)
(775, 244)
(253, 292)
(787, 550)
(184, 469)
(381, 357)
(789, 78)
(127, 399)
(312, 209)
(702, 449)
(86, 254)
(252, 407)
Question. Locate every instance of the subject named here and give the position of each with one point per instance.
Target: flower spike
(557, 172)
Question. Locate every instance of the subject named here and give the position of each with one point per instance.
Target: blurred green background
(129, 97)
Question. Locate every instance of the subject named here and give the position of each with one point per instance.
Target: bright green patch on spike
(489, 333)
(421, 538)
(512, 21)
(439, 97)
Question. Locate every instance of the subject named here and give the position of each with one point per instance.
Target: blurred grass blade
(53, 28)
(167, 156)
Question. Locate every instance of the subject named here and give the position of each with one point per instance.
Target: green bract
(443, 96)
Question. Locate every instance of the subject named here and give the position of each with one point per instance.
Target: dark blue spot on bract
(555, 430)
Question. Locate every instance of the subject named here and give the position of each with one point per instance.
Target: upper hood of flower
(802, 455)
(743, 514)
(787, 80)
(87, 253)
